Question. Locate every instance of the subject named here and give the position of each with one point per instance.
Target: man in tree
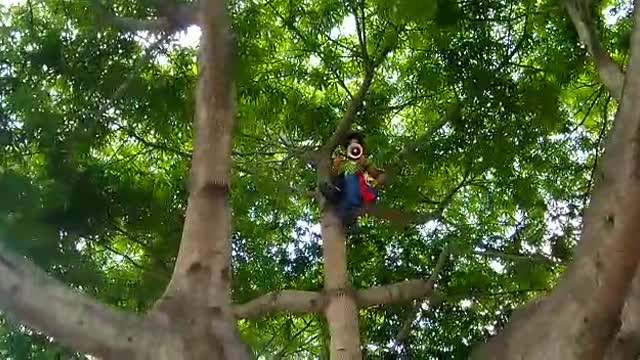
(354, 180)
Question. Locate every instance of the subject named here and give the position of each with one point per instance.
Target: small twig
(276, 333)
(282, 352)
(406, 326)
(360, 30)
(605, 121)
(125, 84)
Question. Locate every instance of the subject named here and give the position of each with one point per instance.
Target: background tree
(489, 115)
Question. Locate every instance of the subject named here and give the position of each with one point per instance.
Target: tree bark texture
(627, 342)
(626, 345)
(580, 317)
(341, 310)
(198, 295)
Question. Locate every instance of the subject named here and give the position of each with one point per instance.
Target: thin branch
(605, 117)
(347, 120)
(276, 333)
(291, 26)
(404, 218)
(453, 110)
(592, 104)
(399, 217)
(292, 301)
(283, 351)
(396, 293)
(406, 327)
(361, 30)
(515, 257)
(344, 125)
(74, 319)
(418, 145)
(160, 276)
(148, 54)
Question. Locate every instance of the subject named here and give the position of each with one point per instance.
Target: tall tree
(471, 107)
(193, 318)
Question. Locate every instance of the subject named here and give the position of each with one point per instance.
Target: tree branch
(405, 218)
(399, 217)
(297, 301)
(453, 111)
(148, 55)
(292, 301)
(609, 71)
(71, 318)
(291, 26)
(344, 125)
(199, 289)
(396, 293)
(515, 257)
(361, 29)
(406, 327)
(605, 124)
(347, 120)
(605, 260)
(174, 17)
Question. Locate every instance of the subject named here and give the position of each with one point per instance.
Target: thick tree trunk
(579, 318)
(341, 308)
(193, 320)
(626, 345)
(198, 297)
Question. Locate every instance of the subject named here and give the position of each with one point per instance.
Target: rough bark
(197, 299)
(579, 318)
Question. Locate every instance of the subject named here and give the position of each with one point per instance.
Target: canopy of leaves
(95, 138)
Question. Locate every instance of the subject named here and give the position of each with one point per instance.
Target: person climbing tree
(354, 180)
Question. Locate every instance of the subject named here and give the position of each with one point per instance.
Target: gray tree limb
(292, 301)
(32, 297)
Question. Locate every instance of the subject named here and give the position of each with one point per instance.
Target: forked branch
(609, 71)
(302, 302)
(344, 125)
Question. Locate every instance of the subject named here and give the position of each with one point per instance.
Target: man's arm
(372, 170)
(337, 163)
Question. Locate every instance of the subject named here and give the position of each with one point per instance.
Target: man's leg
(332, 191)
(351, 200)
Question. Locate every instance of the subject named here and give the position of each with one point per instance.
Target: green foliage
(95, 142)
